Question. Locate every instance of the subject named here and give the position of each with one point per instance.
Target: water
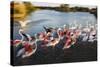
(53, 19)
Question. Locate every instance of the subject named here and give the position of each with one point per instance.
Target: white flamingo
(17, 42)
(23, 24)
(22, 51)
(22, 34)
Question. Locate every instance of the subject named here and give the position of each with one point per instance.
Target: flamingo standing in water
(17, 41)
(23, 24)
(26, 44)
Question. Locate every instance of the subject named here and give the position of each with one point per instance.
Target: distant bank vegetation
(20, 10)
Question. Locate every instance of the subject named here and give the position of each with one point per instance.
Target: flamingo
(24, 23)
(22, 51)
(17, 42)
(54, 41)
(28, 37)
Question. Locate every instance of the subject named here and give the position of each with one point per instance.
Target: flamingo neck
(22, 38)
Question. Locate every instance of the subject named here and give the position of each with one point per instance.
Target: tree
(64, 7)
(29, 7)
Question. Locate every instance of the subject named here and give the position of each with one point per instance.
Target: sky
(56, 4)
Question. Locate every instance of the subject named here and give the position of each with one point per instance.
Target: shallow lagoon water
(51, 18)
